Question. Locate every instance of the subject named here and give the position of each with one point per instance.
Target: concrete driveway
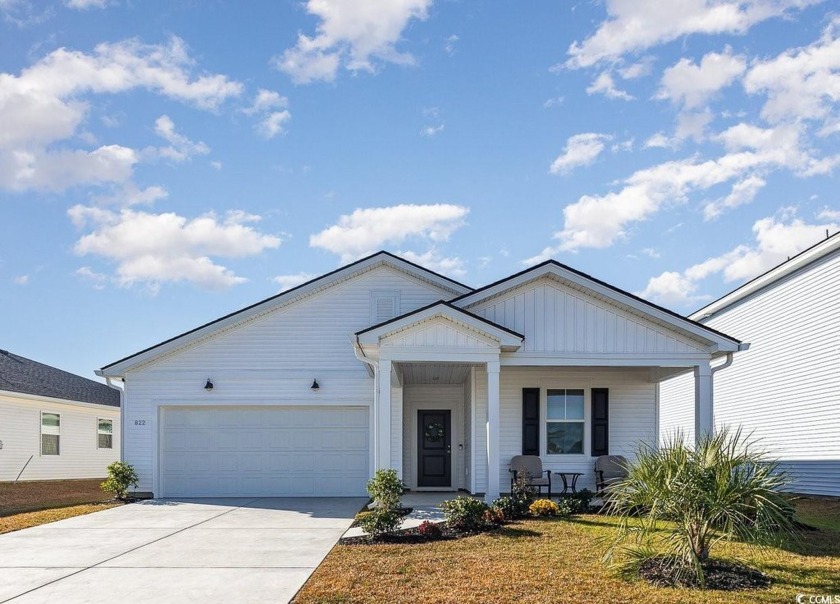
(186, 550)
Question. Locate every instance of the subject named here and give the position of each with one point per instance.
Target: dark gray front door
(434, 448)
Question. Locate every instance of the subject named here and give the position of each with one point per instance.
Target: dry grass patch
(35, 495)
(24, 520)
(550, 561)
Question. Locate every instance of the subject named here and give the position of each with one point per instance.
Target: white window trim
(105, 419)
(41, 433)
(587, 424)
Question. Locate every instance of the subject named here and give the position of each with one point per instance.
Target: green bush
(379, 521)
(120, 477)
(465, 513)
(722, 488)
(513, 509)
(385, 488)
(564, 509)
(579, 502)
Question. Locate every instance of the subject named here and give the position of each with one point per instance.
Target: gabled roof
(25, 376)
(634, 303)
(507, 338)
(768, 279)
(286, 297)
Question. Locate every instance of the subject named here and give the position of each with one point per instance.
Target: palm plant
(723, 488)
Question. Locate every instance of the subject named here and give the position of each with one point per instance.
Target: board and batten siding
(632, 416)
(20, 431)
(558, 319)
(786, 388)
(270, 360)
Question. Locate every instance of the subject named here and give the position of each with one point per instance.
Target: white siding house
(785, 390)
(53, 424)
(385, 364)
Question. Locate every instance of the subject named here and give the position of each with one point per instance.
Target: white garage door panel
(263, 451)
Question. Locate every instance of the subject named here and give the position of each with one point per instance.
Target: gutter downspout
(122, 415)
(360, 354)
(743, 346)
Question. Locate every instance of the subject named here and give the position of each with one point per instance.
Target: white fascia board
(769, 278)
(272, 304)
(60, 401)
(718, 342)
(507, 340)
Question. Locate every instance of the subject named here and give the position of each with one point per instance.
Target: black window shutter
(530, 421)
(600, 421)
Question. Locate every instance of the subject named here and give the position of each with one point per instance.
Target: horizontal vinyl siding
(786, 388)
(270, 360)
(557, 318)
(20, 431)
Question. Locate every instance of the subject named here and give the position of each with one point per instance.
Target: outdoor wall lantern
(315, 387)
(209, 385)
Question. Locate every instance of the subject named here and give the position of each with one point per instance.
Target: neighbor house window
(105, 434)
(50, 433)
(564, 422)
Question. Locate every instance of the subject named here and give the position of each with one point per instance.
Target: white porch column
(383, 436)
(704, 422)
(492, 431)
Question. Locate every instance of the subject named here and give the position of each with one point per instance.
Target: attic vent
(384, 305)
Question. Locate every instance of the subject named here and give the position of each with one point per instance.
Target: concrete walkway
(190, 550)
(425, 506)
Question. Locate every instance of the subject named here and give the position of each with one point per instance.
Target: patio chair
(609, 470)
(532, 464)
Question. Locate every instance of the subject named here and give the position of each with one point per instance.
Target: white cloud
(580, 150)
(743, 191)
(21, 280)
(801, 83)
(661, 141)
(777, 238)
(46, 104)
(651, 252)
(86, 4)
(637, 70)
(355, 34)
(633, 26)
(97, 280)
(272, 110)
(287, 282)
(691, 85)
(829, 215)
(180, 147)
(369, 229)
(692, 125)
(152, 249)
(434, 261)
(449, 47)
(431, 131)
(604, 84)
(553, 102)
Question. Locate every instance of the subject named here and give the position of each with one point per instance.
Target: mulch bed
(722, 575)
(413, 535)
(36, 495)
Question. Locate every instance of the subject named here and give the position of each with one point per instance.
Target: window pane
(105, 441)
(574, 404)
(49, 444)
(556, 404)
(564, 437)
(106, 426)
(51, 419)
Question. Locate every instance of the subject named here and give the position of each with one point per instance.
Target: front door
(434, 448)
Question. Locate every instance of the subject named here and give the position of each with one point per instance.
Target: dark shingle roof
(19, 374)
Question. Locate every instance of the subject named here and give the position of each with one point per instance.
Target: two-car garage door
(263, 451)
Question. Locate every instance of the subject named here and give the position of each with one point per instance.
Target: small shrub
(464, 513)
(564, 509)
(385, 488)
(429, 530)
(494, 515)
(522, 490)
(120, 477)
(379, 521)
(578, 502)
(544, 507)
(513, 509)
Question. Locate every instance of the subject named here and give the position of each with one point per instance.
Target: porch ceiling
(434, 373)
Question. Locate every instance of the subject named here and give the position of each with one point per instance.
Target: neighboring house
(785, 390)
(385, 364)
(54, 424)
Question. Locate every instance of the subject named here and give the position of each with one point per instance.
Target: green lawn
(559, 561)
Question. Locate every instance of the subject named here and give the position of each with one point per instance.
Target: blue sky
(165, 163)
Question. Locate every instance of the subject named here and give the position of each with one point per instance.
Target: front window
(105, 434)
(564, 425)
(50, 433)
